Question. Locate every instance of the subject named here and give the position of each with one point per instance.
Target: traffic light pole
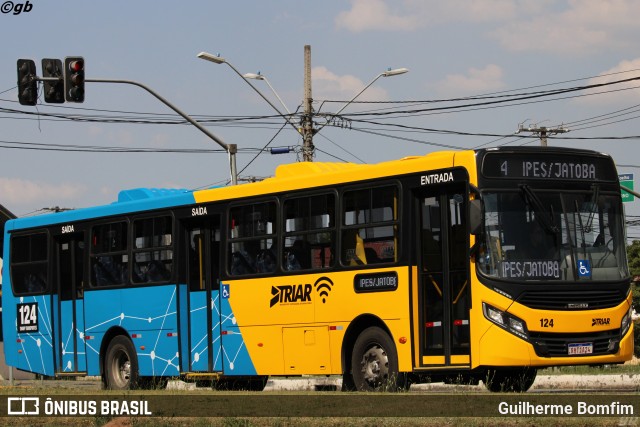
(232, 149)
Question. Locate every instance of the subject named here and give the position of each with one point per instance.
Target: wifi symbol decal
(323, 286)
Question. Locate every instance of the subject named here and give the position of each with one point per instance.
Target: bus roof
(134, 200)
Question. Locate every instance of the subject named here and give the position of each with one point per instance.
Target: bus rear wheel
(120, 365)
(510, 380)
(374, 362)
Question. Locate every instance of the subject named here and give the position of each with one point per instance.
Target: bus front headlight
(506, 321)
(626, 322)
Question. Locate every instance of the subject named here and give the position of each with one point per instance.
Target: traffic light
(27, 83)
(74, 79)
(53, 90)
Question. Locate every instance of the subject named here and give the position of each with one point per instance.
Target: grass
(322, 422)
(630, 368)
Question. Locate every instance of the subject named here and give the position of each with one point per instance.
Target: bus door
(443, 275)
(203, 267)
(70, 278)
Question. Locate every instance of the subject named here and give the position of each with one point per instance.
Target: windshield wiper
(547, 221)
(594, 207)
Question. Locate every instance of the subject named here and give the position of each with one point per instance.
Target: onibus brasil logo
(301, 294)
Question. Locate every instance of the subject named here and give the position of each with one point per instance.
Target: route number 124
(546, 323)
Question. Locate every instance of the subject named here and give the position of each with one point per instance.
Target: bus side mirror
(475, 216)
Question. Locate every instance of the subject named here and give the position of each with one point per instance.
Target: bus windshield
(551, 235)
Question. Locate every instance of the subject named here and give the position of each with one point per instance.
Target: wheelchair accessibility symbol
(584, 268)
(225, 291)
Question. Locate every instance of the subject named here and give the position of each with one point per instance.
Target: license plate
(581, 348)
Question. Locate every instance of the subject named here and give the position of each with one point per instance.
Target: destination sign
(376, 282)
(548, 166)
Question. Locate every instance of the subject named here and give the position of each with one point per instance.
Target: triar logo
(291, 294)
(600, 321)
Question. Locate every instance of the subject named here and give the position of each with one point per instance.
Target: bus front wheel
(120, 365)
(374, 362)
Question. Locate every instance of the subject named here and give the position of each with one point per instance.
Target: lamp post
(258, 76)
(389, 73)
(307, 130)
(216, 59)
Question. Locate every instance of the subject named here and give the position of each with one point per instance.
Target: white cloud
(409, 15)
(475, 81)
(374, 15)
(328, 85)
(569, 27)
(584, 26)
(24, 192)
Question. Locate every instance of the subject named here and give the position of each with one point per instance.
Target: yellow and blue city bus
(458, 265)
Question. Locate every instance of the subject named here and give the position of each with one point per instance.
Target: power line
(114, 149)
(490, 94)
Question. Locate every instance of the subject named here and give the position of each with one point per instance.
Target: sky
(56, 155)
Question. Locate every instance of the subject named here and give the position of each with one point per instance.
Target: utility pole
(307, 118)
(542, 131)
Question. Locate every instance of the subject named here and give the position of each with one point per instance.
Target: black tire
(120, 365)
(347, 382)
(374, 363)
(510, 380)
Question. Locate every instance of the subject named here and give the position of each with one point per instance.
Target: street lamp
(388, 73)
(259, 76)
(220, 60)
(306, 129)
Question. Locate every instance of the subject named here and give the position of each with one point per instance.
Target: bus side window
(109, 258)
(309, 232)
(153, 249)
(252, 244)
(29, 263)
(370, 221)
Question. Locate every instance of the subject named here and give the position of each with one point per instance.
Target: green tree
(633, 257)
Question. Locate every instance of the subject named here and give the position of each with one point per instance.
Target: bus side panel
(235, 355)
(31, 350)
(67, 339)
(184, 327)
(149, 317)
(199, 347)
(198, 318)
